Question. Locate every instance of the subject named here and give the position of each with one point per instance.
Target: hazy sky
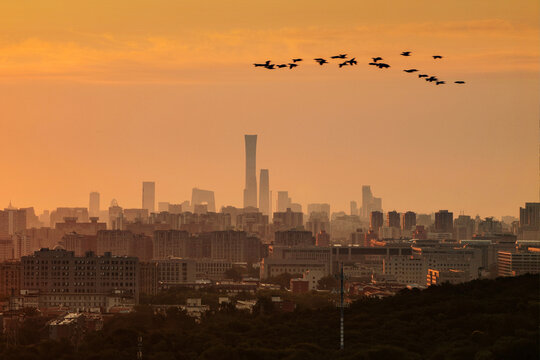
(101, 95)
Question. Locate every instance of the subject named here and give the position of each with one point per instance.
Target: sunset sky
(102, 95)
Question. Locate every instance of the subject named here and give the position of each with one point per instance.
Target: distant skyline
(97, 96)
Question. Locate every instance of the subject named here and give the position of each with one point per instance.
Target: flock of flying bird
(376, 61)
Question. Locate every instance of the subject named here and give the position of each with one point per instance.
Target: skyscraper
(367, 198)
(408, 221)
(94, 204)
(282, 201)
(149, 196)
(199, 197)
(354, 208)
(392, 219)
(250, 190)
(444, 221)
(376, 220)
(264, 192)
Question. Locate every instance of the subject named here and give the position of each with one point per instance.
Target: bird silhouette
(410, 70)
(406, 53)
(281, 65)
(459, 82)
(340, 56)
(423, 75)
(383, 65)
(343, 64)
(352, 61)
(270, 66)
(321, 61)
(296, 60)
(291, 65)
(374, 64)
(375, 59)
(440, 83)
(431, 79)
(257, 65)
(437, 56)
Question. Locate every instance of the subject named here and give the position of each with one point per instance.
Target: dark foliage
(480, 320)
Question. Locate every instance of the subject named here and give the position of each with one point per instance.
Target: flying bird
(352, 61)
(281, 65)
(383, 65)
(437, 56)
(343, 64)
(291, 65)
(270, 66)
(375, 59)
(440, 83)
(296, 60)
(431, 78)
(459, 82)
(410, 70)
(423, 75)
(321, 61)
(375, 64)
(257, 65)
(265, 64)
(406, 53)
(340, 56)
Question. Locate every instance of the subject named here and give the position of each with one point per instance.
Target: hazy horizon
(100, 97)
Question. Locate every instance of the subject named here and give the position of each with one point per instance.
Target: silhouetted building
(149, 196)
(319, 208)
(58, 215)
(408, 221)
(93, 208)
(376, 220)
(354, 208)
(116, 216)
(318, 221)
(79, 244)
(288, 220)
(529, 221)
(12, 221)
(124, 243)
(135, 215)
(60, 280)
(392, 219)
(369, 202)
(444, 221)
(203, 197)
(463, 227)
(264, 192)
(250, 190)
(283, 201)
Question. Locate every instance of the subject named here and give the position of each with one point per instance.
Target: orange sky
(101, 95)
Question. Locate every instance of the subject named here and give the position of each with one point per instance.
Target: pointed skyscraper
(250, 191)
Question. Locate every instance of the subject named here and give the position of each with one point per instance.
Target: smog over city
(270, 180)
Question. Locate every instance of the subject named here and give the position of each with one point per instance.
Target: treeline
(480, 320)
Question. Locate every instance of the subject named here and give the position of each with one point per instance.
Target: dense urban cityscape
(269, 180)
(88, 262)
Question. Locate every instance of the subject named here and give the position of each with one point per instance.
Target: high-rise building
(463, 227)
(264, 192)
(283, 201)
(93, 208)
(354, 208)
(444, 221)
(319, 208)
(12, 221)
(369, 203)
(149, 196)
(376, 220)
(163, 206)
(250, 190)
(392, 219)
(408, 221)
(202, 197)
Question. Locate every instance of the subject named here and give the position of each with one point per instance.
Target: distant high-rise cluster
(131, 251)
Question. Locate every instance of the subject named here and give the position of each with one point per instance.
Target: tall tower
(264, 192)
(93, 207)
(149, 196)
(250, 191)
